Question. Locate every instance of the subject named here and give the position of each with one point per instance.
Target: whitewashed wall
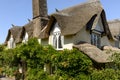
(82, 35)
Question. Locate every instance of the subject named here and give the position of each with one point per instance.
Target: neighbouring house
(14, 36)
(114, 27)
(18, 34)
(82, 26)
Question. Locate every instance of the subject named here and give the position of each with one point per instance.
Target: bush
(70, 63)
(107, 74)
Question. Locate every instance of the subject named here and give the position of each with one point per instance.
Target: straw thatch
(111, 49)
(16, 31)
(114, 28)
(29, 29)
(73, 19)
(93, 52)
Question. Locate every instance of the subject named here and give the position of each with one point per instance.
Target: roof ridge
(81, 4)
(114, 21)
(93, 1)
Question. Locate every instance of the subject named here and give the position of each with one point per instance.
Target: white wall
(68, 42)
(82, 35)
(105, 41)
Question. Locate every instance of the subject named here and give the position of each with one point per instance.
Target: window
(95, 39)
(117, 42)
(11, 43)
(25, 39)
(57, 40)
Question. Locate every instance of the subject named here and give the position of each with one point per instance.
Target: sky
(17, 12)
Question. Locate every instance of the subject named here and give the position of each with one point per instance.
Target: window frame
(11, 43)
(96, 38)
(57, 40)
(117, 42)
(25, 38)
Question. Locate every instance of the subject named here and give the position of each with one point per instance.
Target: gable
(55, 28)
(16, 32)
(99, 26)
(114, 27)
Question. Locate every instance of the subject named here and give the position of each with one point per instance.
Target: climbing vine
(62, 65)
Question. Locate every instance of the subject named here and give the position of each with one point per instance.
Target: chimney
(39, 8)
(40, 14)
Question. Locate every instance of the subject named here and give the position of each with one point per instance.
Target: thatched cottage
(18, 34)
(14, 36)
(83, 26)
(114, 27)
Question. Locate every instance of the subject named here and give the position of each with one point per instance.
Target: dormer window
(25, 39)
(11, 43)
(96, 39)
(57, 38)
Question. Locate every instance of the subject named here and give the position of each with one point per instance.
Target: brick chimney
(40, 14)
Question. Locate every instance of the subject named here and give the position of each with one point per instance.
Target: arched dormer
(56, 38)
(25, 38)
(11, 43)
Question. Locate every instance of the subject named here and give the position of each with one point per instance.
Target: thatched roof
(93, 52)
(114, 28)
(73, 19)
(16, 31)
(29, 29)
(111, 49)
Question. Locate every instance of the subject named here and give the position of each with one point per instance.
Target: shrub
(107, 74)
(70, 63)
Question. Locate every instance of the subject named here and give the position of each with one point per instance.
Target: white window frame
(56, 40)
(11, 43)
(25, 39)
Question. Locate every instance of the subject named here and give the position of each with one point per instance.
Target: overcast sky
(18, 11)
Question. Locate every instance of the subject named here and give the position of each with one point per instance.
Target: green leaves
(71, 63)
(105, 74)
(65, 64)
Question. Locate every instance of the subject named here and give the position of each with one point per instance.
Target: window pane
(55, 41)
(95, 39)
(60, 42)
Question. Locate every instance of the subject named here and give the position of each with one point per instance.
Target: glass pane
(55, 41)
(60, 42)
(95, 39)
